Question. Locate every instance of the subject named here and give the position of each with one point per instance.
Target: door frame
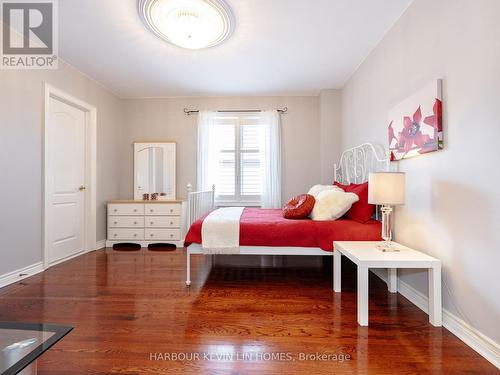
(90, 170)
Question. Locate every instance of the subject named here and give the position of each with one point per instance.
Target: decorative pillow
(332, 204)
(299, 207)
(316, 189)
(361, 211)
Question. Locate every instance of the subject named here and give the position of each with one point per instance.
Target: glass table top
(22, 343)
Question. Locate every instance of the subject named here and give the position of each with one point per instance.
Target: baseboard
(482, 344)
(100, 245)
(20, 274)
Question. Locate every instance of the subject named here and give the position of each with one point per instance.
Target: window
(240, 154)
(239, 159)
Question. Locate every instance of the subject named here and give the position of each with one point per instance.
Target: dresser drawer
(163, 234)
(163, 222)
(173, 209)
(126, 209)
(126, 234)
(125, 221)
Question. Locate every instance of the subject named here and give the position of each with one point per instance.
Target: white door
(65, 180)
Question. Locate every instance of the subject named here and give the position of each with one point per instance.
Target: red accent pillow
(361, 211)
(299, 207)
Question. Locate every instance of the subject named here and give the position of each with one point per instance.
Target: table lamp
(386, 189)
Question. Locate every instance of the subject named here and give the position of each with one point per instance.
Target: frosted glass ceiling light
(192, 24)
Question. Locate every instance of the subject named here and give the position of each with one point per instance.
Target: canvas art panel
(416, 124)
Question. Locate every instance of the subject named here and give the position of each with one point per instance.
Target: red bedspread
(267, 227)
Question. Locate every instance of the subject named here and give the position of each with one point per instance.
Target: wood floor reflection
(133, 315)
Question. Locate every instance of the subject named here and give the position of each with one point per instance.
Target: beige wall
(164, 119)
(330, 113)
(453, 203)
(21, 110)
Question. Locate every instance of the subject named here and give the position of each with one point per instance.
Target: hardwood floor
(131, 311)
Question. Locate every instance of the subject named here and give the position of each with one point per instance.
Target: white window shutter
(235, 157)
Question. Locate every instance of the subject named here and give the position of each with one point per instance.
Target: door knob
(82, 188)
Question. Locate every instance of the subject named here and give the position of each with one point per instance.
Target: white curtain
(271, 160)
(207, 153)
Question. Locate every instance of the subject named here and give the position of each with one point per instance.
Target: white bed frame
(354, 167)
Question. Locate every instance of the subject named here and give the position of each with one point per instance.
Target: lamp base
(388, 247)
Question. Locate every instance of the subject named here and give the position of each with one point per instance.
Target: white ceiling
(279, 47)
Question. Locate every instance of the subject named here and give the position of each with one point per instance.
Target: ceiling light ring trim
(145, 12)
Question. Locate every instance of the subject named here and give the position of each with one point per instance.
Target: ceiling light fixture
(191, 24)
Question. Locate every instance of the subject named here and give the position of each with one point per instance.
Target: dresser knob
(135, 209)
(152, 235)
(135, 222)
(171, 210)
(115, 222)
(151, 210)
(171, 223)
(114, 235)
(152, 222)
(171, 235)
(115, 210)
(135, 234)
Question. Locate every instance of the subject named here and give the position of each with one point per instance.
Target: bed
(266, 232)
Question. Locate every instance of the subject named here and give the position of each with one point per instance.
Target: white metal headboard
(358, 162)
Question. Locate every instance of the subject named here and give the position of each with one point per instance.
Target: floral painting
(416, 124)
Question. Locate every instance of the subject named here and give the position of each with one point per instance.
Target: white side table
(366, 255)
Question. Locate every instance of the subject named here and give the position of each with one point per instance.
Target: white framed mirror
(154, 169)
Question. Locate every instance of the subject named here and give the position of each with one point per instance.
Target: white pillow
(316, 189)
(332, 204)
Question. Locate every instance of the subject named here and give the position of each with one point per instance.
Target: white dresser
(146, 222)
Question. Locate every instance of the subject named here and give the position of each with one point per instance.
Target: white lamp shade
(386, 188)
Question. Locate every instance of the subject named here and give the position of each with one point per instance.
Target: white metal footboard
(199, 203)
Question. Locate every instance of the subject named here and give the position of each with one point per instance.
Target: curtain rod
(190, 112)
